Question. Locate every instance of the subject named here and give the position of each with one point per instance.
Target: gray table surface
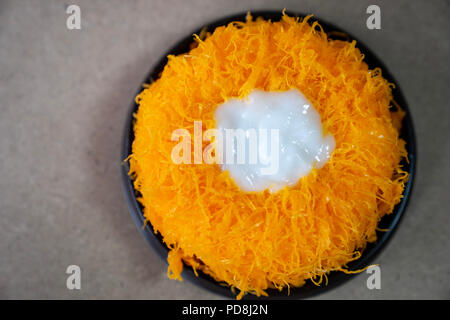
(64, 96)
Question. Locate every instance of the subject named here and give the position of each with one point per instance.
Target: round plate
(309, 289)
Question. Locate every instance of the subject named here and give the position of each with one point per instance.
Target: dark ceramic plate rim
(309, 289)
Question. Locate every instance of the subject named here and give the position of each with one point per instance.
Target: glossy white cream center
(283, 139)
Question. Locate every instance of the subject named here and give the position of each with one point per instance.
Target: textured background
(64, 96)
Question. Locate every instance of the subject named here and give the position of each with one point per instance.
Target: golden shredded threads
(257, 241)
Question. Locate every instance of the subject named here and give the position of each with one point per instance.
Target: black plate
(309, 289)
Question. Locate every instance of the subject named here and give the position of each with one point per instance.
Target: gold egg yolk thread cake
(255, 241)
